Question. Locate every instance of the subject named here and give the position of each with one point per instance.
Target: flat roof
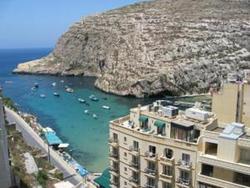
(183, 122)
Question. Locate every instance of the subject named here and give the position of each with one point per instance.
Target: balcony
(134, 150)
(218, 182)
(181, 182)
(134, 180)
(167, 161)
(166, 176)
(134, 164)
(214, 161)
(114, 169)
(150, 156)
(114, 184)
(114, 155)
(187, 165)
(113, 142)
(149, 186)
(150, 172)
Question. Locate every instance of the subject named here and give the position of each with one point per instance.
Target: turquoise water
(88, 137)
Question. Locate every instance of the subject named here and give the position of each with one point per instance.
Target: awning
(143, 118)
(159, 124)
(52, 139)
(103, 180)
(64, 145)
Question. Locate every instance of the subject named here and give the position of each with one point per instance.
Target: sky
(39, 23)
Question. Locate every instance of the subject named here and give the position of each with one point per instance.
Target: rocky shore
(174, 46)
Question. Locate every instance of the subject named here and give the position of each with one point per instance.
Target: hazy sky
(39, 23)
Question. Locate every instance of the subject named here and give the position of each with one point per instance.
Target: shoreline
(57, 159)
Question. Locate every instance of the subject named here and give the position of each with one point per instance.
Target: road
(34, 140)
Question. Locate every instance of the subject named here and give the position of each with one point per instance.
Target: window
(125, 139)
(125, 154)
(184, 176)
(115, 137)
(151, 182)
(166, 170)
(244, 156)
(125, 169)
(136, 145)
(166, 185)
(211, 148)
(151, 165)
(186, 157)
(168, 153)
(125, 183)
(152, 150)
(207, 170)
(135, 160)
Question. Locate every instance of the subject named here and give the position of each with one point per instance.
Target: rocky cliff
(175, 46)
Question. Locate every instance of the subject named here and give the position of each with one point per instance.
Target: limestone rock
(175, 46)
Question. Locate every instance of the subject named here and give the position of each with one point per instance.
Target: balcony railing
(114, 169)
(150, 155)
(134, 149)
(150, 171)
(134, 180)
(114, 155)
(134, 164)
(186, 164)
(150, 186)
(183, 181)
(113, 140)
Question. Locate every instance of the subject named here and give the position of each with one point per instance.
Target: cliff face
(179, 46)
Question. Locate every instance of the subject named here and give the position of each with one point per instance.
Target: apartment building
(232, 102)
(158, 146)
(224, 157)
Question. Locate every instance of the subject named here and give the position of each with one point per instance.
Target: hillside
(174, 46)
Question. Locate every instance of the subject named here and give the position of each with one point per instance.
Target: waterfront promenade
(33, 139)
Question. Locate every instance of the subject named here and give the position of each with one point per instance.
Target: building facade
(158, 146)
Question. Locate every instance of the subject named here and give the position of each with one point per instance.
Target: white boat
(69, 90)
(95, 116)
(33, 89)
(54, 84)
(36, 85)
(56, 94)
(62, 81)
(93, 98)
(106, 107)
(86, 111)
(42, 96)
(81, 100)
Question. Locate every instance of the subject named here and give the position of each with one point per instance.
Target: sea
(87, 136)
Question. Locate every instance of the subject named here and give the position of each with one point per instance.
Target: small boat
(56, 94)
(43, 96)
(36, 85)
(8, 82)
(93, 98)
(81, 100)
(62, 81)
(69, 90)
(54, 84)
(86, 111)
(33, 89)
(94, 116)
(106, 107)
